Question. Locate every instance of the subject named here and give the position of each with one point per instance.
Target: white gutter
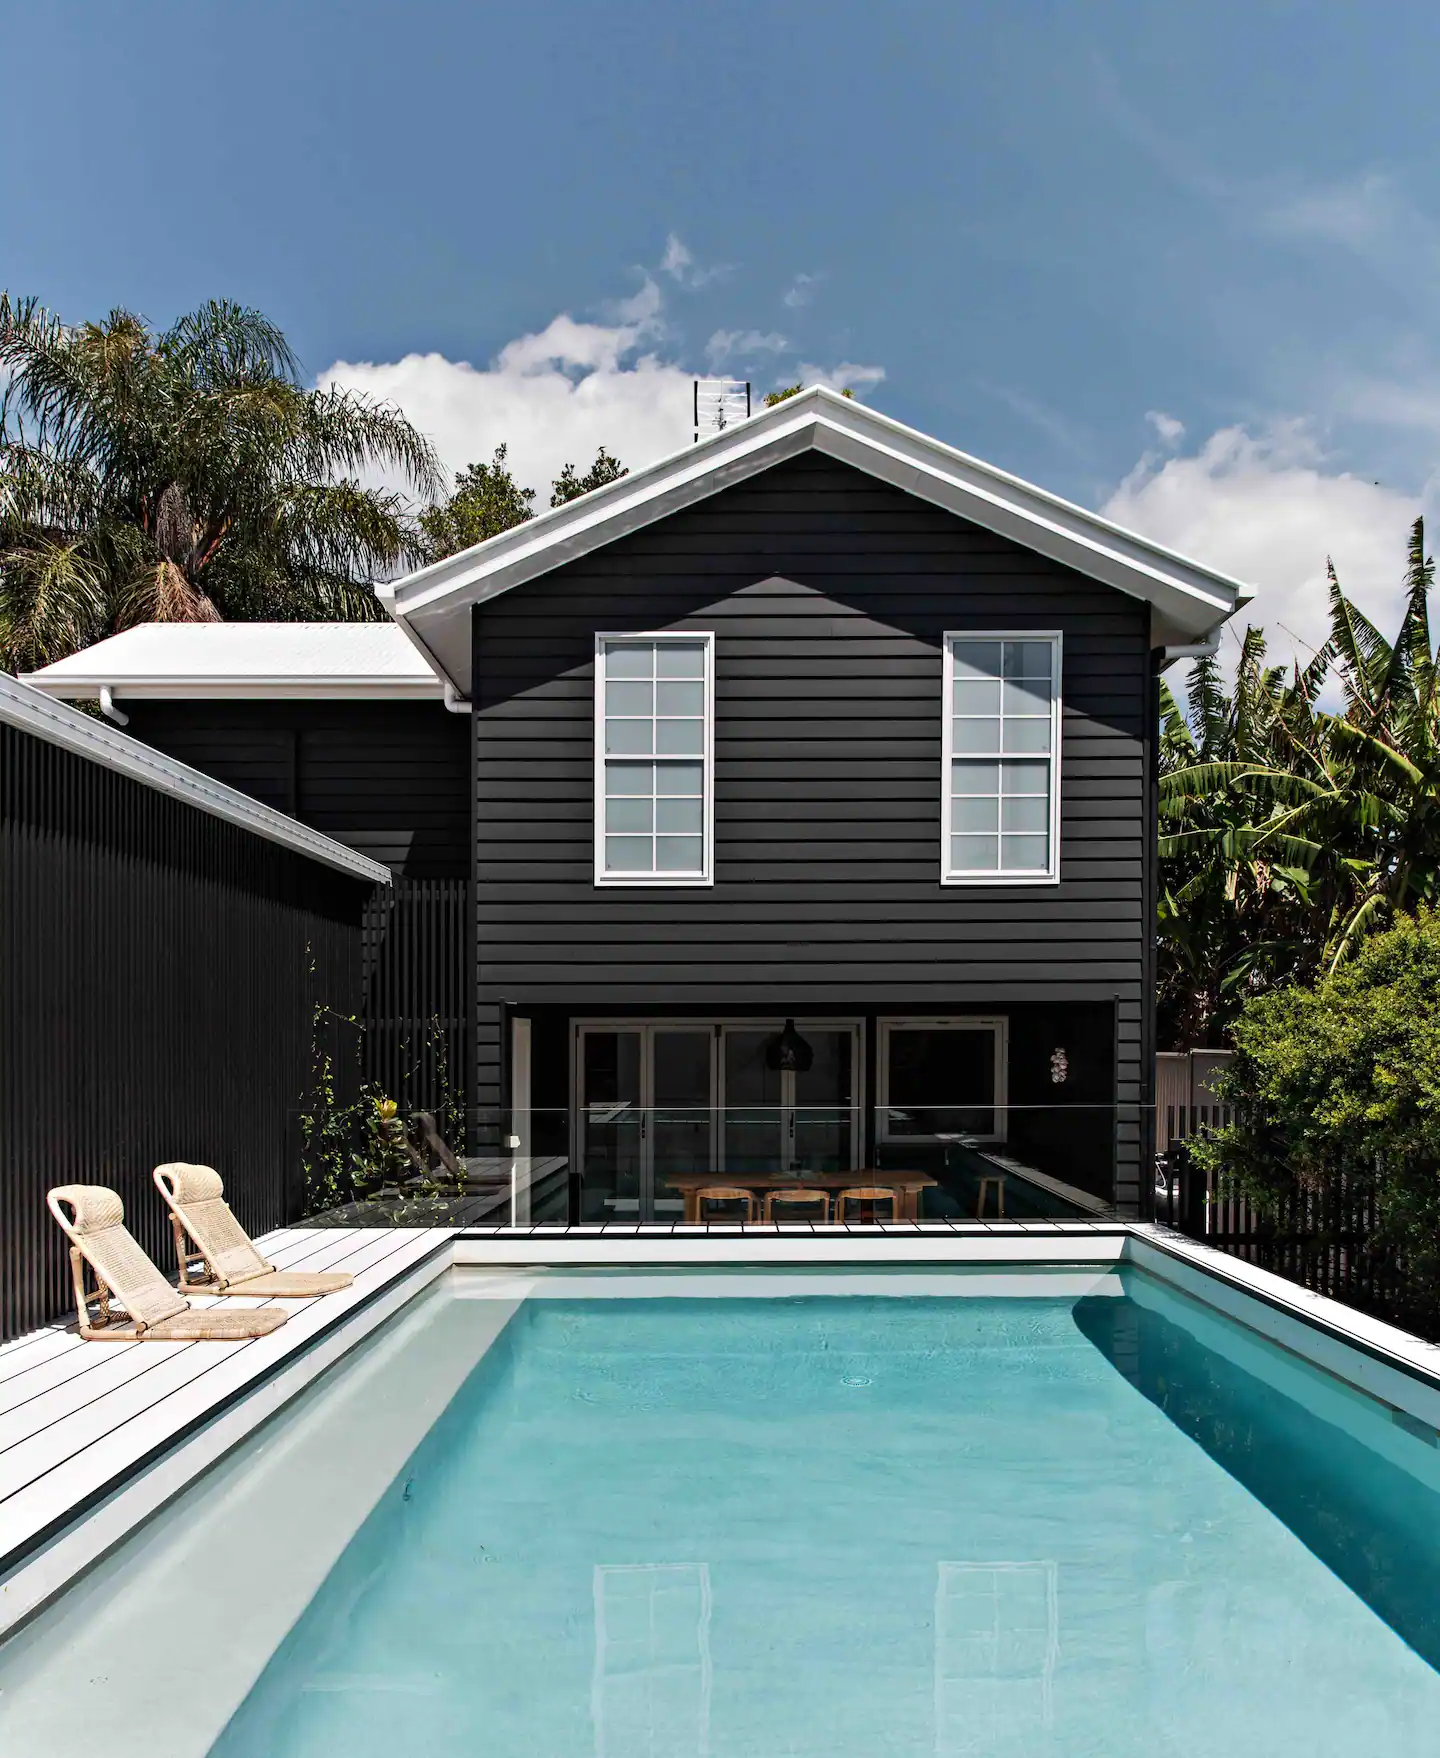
(1206, 649)
(35, 713)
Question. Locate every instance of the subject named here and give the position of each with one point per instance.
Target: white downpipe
(108, 708)
(454, 701)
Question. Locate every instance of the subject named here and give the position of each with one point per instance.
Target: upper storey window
(1001, 806)
(654, 739)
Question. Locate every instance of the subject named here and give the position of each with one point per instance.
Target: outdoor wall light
(787, 1052)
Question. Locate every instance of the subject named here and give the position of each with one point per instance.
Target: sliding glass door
(646, 1109)
(697, 1099)
(788, 1120)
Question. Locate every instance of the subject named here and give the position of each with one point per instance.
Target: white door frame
(645, 1029)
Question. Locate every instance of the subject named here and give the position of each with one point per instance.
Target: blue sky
(1176, 261)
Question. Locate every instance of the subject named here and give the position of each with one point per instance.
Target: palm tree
(185, 475)
(1297, 831)
(1234, 911)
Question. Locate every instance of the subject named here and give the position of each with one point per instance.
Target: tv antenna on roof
(720, 403)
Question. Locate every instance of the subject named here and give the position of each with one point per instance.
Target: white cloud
(1265, 509)
(847, 376)
(800, 291)
(1170, 430)
(727, 344)
(556, 395)
(676, 259)
(679, 263)
(553, 397)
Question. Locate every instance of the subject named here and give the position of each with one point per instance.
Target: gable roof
(349, 661)
(433, 606)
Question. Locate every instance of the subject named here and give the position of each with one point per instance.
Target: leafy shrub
(1338, 1086)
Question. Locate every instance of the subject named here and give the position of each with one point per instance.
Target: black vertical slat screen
(158, 971)
(415, 1008)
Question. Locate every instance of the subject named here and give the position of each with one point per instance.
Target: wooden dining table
(906, 1185)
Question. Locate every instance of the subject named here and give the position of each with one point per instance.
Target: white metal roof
(35, 713)
(256, 660)
(433, 606)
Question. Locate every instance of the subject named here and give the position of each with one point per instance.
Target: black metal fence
(1326, 1241)
(159, 967)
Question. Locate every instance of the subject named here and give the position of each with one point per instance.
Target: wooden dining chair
(797, 1196)
(866, 1198)
(723, 1193)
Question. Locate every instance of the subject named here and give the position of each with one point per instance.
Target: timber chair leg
(104, 1318)
(188, 1259)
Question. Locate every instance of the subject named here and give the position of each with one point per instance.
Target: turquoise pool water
(836, 1526)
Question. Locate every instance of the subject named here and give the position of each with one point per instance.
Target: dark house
(800, 793)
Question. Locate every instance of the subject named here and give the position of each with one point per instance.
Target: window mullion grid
(999, 822)
(663, 820)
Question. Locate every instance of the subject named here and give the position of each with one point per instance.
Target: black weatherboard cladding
(159, 970)
(829, 594)
(386, 778)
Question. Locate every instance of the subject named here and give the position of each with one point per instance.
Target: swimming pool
(1057, 1512)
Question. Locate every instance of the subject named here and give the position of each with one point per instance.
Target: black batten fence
(159, 967)
(1324, 1240)
(415, 1013)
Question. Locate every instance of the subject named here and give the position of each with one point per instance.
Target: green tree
(1335, 1092)
(569, 486)
(774, 397)
(185, 475)
(1236, 907)
(486, 501)
(1291, 832)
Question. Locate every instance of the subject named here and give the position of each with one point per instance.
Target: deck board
(75, 1416)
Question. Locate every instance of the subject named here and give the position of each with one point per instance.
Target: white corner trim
(33, 712)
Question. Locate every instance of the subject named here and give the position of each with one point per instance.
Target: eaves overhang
(433, 606)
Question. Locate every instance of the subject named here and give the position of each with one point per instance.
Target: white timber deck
(87, 1425)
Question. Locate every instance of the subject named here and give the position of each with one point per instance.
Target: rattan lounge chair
(195, 1198)
(155, 1312)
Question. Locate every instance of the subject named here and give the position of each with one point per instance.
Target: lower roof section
(255, 661)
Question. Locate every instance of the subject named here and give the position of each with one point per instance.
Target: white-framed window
(654, 759)
(1000, 810)
(942, 1079)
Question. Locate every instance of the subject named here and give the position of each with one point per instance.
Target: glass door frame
(645, 1030)
(787, 1109)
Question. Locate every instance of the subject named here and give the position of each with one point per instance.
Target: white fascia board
(80, 687)
(1190, 600)
(33, 712)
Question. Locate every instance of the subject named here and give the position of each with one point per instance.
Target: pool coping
(1389, 1365)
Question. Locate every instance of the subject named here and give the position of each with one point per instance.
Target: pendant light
(788, 1053)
